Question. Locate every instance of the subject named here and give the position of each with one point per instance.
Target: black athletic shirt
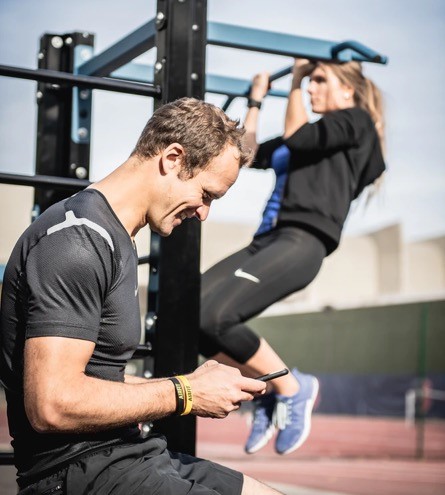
(331, 162)
(73, 273)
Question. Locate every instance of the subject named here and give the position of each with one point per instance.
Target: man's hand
(219, 389)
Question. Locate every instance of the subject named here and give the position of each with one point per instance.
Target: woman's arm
(296, 115)
(259, 88)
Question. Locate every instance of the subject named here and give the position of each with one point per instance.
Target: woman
(321, 168)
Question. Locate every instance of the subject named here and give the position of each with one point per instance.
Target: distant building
(373, 269)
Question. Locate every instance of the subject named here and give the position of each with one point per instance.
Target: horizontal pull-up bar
(258, 40)
(357, 47)
(44, 181)
(229, 86)
(90, 82)
(227, 35)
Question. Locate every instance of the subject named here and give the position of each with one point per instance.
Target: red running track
(351, 455)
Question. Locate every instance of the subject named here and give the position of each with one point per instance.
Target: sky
(411, 33)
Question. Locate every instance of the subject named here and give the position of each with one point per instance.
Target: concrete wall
(15, 215)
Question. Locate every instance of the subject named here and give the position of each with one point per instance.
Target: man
(70, 322)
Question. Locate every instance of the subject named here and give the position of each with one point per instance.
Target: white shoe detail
(308, 418)
(264, 440)
(242, 274)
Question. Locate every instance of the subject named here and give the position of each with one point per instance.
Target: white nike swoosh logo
(242, 274)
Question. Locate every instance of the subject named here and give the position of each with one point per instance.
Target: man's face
(187, 198)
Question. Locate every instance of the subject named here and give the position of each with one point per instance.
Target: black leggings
(243, 285)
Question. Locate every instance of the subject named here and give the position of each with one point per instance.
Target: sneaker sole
(264, 441)
(308, 418)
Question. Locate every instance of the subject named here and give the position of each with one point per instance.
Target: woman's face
(327, 92)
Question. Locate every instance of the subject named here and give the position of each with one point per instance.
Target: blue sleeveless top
(279, 163)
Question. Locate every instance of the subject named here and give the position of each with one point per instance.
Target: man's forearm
(135, 379)
(93, 404)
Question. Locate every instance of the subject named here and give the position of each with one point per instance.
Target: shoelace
(282, 414)
(259, 415)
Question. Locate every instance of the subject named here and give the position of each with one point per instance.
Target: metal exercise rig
(69, 71)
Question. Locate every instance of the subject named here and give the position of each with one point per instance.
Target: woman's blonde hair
(366, 94)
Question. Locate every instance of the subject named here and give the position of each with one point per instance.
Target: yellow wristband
(188, 394)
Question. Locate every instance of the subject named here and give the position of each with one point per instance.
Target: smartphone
(271, 376)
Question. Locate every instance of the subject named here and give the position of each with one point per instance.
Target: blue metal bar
(223, 85)
(143, 39)
(347, 49)
(281, 73)
(122, 52)
(283, 44)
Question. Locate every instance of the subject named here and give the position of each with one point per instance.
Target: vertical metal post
(421, 412)
(64, 114)
(180, 70)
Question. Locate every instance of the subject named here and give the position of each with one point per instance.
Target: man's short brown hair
(203, 130)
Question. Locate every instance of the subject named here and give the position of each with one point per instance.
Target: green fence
(404, 338)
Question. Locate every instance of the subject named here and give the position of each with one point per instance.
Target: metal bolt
(146, 428)
(81, 172)
(158, 67)
(73, 166)
(39, 95)
(86, 35)
(84, 94)
(68, 40)
(131, 369)
(82, 132)
(195, 27)
(85, 54)
(147, 374)
(55, 86)
(160, 16)
(150, 321)
(40, 55)
(194, 76)
(57, 42)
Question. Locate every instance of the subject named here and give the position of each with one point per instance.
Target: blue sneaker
(262, 424)
(292, 415)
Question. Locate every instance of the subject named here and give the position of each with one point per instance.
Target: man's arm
(135, 379)
(60, 397)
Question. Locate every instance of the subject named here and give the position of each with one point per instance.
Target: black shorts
(146, 467)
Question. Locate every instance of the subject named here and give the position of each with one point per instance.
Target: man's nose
(202, 212)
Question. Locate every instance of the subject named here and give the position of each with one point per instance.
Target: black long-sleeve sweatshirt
(331, 162)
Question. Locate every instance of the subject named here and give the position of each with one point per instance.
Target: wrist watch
(251, 103)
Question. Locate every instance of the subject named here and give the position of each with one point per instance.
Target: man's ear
(171, 158)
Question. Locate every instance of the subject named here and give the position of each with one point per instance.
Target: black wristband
(251, 103)
(180, 398)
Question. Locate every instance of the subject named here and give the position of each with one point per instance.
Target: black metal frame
(181, 61)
